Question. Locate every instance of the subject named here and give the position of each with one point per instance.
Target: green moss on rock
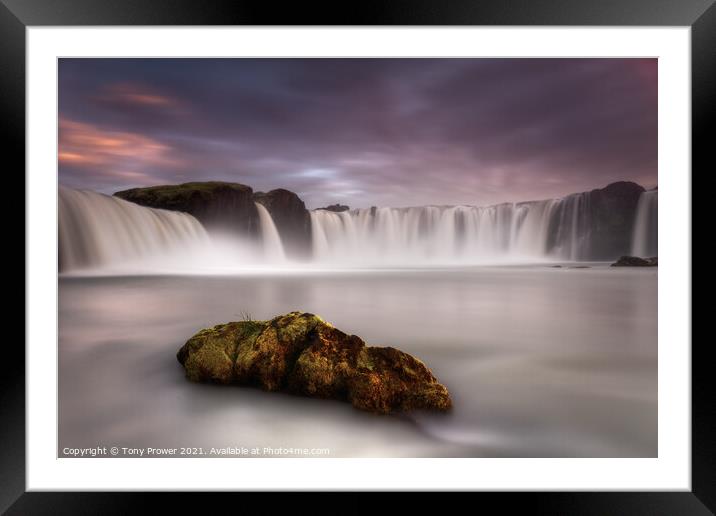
(181, 194)
(217, 205)
(210, 355)
(302, 354)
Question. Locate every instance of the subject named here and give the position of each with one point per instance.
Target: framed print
(416, 250)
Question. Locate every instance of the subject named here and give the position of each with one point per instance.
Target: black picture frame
(17, 15)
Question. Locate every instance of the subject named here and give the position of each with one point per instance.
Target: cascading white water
(570, 228)
(532, 231)
(273, 248)
(540, 230)
(645, 238)
(96, 230)
(100, 232)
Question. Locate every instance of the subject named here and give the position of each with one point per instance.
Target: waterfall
(645, 239)
(571, 228)
(273, 248)
(528, 231)
(97, 230)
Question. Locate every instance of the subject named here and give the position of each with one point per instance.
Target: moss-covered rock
(302, 354)
(218, 205)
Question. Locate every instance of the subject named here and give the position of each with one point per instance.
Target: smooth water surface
(540, 361)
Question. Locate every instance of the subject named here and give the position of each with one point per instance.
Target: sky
(361, 132)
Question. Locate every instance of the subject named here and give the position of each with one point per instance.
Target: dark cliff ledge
(292, 220)
(336, 208)
(217, 205)
(613, 215)
(609, 214)
(230, 207)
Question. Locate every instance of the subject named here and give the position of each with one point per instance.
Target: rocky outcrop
(302, 354)
(635, 261)
(613, 215)
(217, 205)
(230, 207)
(291, 218)
(336, 208)
(606, 219)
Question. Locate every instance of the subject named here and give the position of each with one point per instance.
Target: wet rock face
(292, 220)
(217, 205)
(302, 354)
(602, 220)
(635, 261)
(614, 211)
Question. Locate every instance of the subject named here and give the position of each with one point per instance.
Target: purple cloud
(387, 132)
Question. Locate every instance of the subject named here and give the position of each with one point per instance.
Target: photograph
(301, 251)
(347, 257)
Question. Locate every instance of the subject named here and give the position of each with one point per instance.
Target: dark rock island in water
(635, 261)
(302, 354)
